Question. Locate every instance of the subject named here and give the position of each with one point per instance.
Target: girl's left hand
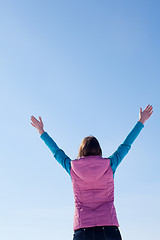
(37, 124)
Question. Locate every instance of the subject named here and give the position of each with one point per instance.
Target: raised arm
(58, 153)
(124, 148)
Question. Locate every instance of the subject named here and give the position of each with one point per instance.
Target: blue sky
(85, 67)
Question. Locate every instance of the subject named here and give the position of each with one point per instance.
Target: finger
(150, 108)
(34, 121)
(140, 110)
(33, 125)
(147, 107)
(150, 113)
(34, 118)
(40, 119)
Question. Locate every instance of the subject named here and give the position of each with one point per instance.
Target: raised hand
(37, 124)
(145, 115)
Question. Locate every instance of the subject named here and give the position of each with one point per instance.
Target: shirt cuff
(43, 135)
(140, 124)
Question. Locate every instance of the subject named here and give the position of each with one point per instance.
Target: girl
(93, 181)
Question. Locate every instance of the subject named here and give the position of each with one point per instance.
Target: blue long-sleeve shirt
(115, 158)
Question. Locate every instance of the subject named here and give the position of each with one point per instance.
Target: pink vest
(93, 187)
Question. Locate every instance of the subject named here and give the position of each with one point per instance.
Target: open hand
(145, 115)
(37, 124)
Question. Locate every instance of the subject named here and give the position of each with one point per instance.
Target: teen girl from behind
(93, 181)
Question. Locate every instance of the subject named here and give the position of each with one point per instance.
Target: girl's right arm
(58, 153)
(124, 148)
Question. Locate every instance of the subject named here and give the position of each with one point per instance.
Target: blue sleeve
(58, 153)
(124, 148)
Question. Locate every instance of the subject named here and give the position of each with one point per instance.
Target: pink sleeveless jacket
(93, 188)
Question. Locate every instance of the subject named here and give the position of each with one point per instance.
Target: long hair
(89, 147)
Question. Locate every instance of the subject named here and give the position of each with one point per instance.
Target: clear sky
(85, 67)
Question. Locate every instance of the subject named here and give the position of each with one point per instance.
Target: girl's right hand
(145, 115)
(37, 124)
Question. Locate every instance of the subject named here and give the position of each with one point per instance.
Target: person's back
(93, 182)
(93, 187)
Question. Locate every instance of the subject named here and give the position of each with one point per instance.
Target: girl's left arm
(58, 153)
